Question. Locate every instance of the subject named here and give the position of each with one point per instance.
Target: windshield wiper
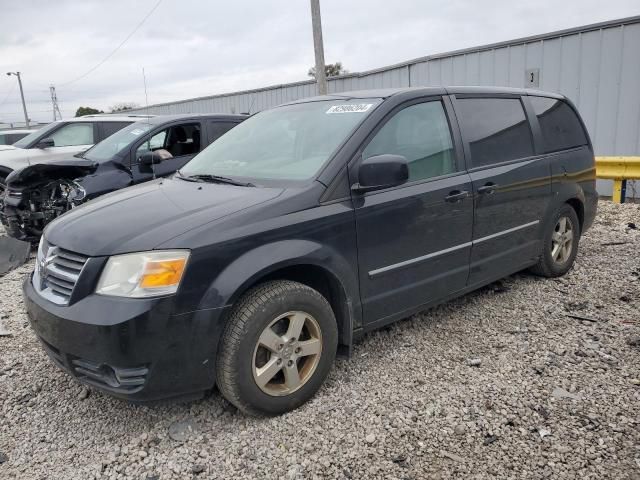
(213, 179)
(186, 178)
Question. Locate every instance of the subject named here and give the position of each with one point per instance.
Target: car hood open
(142, 217)
(16, 158)
(50, 171)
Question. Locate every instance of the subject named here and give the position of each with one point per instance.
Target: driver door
(181, 142)
(414, 240)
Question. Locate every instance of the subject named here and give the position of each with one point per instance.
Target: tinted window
(420, 133)
(73, 134)
(496, 129)
(559, 123)
(217, 129)
(109, 128)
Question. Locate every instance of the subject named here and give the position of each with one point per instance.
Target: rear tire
(560, 243)
(277, 348)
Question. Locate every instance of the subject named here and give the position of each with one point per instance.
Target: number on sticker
(350, 108)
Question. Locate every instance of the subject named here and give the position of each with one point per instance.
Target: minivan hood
(7, 147)
(142, 217)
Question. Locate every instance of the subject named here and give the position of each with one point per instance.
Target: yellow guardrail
(618, 169)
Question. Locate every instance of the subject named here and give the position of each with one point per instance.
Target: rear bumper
(135, 349)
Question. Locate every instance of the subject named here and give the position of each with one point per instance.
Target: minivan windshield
(109, 147)
(25, 142)
(286, 143)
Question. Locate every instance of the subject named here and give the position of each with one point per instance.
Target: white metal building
(597, 66)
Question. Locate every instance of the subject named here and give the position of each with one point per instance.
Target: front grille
(100, 375)
(57, 272)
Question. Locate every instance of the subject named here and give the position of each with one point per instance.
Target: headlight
(146, 274)
(40, 254)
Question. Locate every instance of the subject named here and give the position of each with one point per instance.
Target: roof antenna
(253, 100)
(146, 101)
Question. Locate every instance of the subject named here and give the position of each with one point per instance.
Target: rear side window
(217, 129)
(495, 128)
(109, 128)
(560, 126)
(420, 133)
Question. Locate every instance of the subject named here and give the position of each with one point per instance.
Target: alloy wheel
(287, 353)
(562, 240)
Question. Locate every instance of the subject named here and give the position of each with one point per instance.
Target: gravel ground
(502, 383)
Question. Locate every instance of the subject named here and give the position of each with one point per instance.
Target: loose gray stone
(181, 430)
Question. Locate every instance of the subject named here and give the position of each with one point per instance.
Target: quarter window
(420, 133)
(560, 126)
(495, 128)
(109, 128)
(73, 134)
(217, 129)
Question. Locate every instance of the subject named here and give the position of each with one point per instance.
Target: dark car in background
(60, 140)
(303, 228)
(141, 151)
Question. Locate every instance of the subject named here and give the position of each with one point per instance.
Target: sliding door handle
(456, 196)
(487, 188)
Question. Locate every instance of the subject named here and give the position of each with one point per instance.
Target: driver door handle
(456, 196)
(487, 188)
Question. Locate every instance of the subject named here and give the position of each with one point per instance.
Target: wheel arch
(306, 262)
(578, 206)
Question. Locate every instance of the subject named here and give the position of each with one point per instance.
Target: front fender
(259, 262)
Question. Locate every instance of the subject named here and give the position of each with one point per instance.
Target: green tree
(82, 111)
(330, 70)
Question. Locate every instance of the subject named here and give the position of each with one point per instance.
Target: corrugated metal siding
(596, 66)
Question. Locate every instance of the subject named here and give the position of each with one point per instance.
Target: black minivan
(301, 229)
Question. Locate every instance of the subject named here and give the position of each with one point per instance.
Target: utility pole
(318, 47)
(24, 105)
(54, 103)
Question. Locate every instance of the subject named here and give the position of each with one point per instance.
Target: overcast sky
(192, 48)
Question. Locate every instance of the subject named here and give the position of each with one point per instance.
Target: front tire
(560, 243)
(277, 348)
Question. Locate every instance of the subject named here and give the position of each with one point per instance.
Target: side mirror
(151, 158)
(381, 171)
(46, 143)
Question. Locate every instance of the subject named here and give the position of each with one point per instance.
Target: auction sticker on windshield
(350, 108)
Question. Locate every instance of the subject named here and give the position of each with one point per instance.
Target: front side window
(560, 126)
(33, 138)
(286, 143)
(178, 140)
(73, 134)
(495, 128)
(420, 133)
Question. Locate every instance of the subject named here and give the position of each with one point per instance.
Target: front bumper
(135, 349)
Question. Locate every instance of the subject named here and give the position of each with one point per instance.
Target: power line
(115, 49)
